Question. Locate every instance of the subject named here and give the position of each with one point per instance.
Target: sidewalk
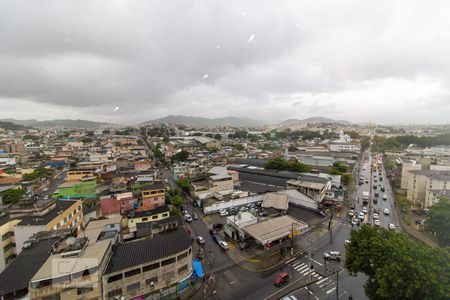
(417, 235)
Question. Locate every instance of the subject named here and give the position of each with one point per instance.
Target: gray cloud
(81, 59)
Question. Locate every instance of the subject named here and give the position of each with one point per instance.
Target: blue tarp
(198, 268)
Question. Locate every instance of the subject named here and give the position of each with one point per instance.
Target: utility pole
(337, 285)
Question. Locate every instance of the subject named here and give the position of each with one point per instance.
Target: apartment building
(75, 266)
(425, 186)
(152, 196)
(7, 240)
(407, 167)
(159, 267)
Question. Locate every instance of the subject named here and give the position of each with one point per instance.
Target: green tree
(365, 143)
(177, 201)
(397, 267)
(12, 196)
(438, 221)
(39, 173)
(184, 184)
(106, 131)
(218, 136)
(86, 140)
(390, 165)
(346, 179)
(210, 135)
(181, 156)
(338, 169)
(280, 163)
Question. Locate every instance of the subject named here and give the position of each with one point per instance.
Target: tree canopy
(181, 156)
(184, 184)
(39, 173)
(398, 267)
(338, 169)
(283, 164)
(438, 220)
(12, 196)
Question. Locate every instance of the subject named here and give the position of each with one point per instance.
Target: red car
(281, 279)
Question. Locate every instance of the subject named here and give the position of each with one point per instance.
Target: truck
(365, 197)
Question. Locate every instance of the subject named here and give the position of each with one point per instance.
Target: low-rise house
(78, 174)
(159, 213)
(117, 203)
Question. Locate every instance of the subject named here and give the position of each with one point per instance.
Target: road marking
(329, 291)
(320, 281)
(305, 271)
(316, 262)
(300, 268)
(316, 275)
(325, 284)
(290, 260)
(297, 262)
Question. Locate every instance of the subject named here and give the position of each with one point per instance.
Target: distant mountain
(12, 126)
(66, 123)
(205, 122)
(313, 120)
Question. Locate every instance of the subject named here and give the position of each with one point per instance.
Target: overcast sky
(132, 61)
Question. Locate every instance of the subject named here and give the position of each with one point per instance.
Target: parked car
(376, 216)
(362, 216)
(212, 232)
(200, 240)
(200, 253)
(321, 213)
(364, 210)
(217, 226)
(391, 226)
(384, 197)
(223, 212)
(281, 279)
(386, 211)
(187, 218)
(376, 222)
(351, 213)
(355, 221)
(332, 255)
(352, 206)
(194, 216)
(223, 245)
(291, 297)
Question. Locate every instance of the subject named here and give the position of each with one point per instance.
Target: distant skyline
(127, 62)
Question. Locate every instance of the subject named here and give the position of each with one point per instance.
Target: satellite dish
(71, 241)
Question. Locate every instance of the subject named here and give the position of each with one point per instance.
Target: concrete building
(425, 186)
(152, 196)
(408, 166)
(159, 267)
(120, 203)
(344, 147)
(47, 216)
(78, 174)
(156, 214)
(7, 240)
(314, 188)
(73, 271)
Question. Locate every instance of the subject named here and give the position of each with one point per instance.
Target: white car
(386, 211)
(384, 197)
(376, 222)
(362, 216)
(223, 245)
(364, 210)
(291, 297)
(376, 216)
(223, 212)
(351, 213)
(188, 218)
(391, 226)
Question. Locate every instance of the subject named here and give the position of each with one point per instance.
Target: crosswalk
(325, 283)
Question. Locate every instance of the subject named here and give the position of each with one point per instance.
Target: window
(84, 290)
(114, 293)
(151, 281)
(132, 272)
(115, 278)
(133, 286)
(168, 261)
(144, 219)
(154, 217)
(181, 256)
(182, 269)
(165, 214)
(150, 267)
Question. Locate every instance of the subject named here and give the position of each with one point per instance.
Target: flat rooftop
(275, 228)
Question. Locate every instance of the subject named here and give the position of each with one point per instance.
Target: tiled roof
(147, 250)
